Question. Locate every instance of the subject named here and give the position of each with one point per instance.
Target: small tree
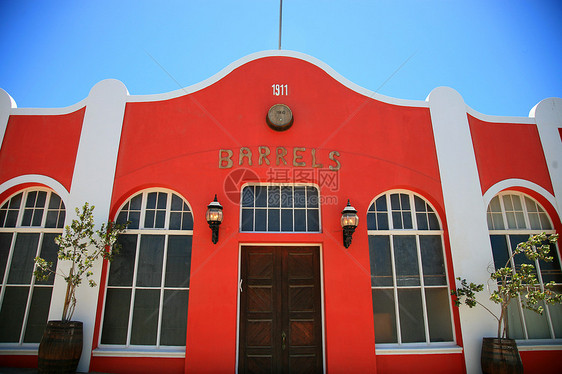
(513, 283)
(82, 246)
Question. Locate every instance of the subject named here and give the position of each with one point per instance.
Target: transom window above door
(280, 208)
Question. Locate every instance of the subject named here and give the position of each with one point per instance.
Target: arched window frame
(138, 232)
(531, 218)
(29, 219)
(434, 228)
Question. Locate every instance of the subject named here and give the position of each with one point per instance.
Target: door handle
(283, 336)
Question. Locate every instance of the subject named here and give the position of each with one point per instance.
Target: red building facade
(432, 182)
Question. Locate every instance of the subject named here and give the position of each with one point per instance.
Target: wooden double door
(280, 310)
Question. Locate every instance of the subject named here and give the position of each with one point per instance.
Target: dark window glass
(499, 250)
(162, 200)
(382, 221)
(38, 313)
(261, 196)
(313, 224)
(274, 196)
(15, 201)
(411, 315)
(300, 219)
(247, 220)
(432, 260)
(49, 252)
(286, 220)
(260, 222)
(273, 220)
(175, 220)
(122, 266)
(371, 221)
(178, 262)
(150, 261)
(381, 263)
(397, 220)
(286, 197)
(151, 200)
(5, 243)
(160, 219)
(406, 260)
(174, 318)
(419, 204)
(177, 203)
(25, 251)
(422, 221)
(116, 318)
(300, 197)
(12, 313)
(248, 196)
(145, 317)
(312, 197)
(380, 204)
(149, 219)
(187, 223)
(438, 314)
(385, 316)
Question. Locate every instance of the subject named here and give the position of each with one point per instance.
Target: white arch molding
(514, 182)
(51, 183)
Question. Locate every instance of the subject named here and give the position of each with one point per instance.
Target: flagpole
(280, 20)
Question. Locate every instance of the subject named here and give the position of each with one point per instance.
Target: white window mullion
(169, 212)
(144, 201)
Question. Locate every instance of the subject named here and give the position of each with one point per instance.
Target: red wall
(175, 144)
(41, 144)
(507, 150)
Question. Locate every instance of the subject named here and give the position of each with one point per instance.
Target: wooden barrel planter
(500, 356)
(60, 347)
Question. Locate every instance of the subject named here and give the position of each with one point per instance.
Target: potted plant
(82, 246)
(500, 355)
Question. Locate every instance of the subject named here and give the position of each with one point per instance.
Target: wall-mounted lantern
(349, 221)
(214, 218)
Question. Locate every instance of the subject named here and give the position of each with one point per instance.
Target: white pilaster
(466, 213)
(548, 115)
(92, 182)
(6, 105)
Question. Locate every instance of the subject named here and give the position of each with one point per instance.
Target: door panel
(280, 310)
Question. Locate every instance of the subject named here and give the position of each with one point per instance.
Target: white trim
(514, 182)
(429, 350)
(40, 179)
(322, 309)
(500, 119)
(7, 351)
(522, 347)
(279, 53)
(49, 111)
(102, 351)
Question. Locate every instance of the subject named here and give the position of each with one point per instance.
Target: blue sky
(502, 56)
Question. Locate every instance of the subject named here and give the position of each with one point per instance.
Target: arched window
(148, 282)
(29, 222)
(408, 274)
(512, 217)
